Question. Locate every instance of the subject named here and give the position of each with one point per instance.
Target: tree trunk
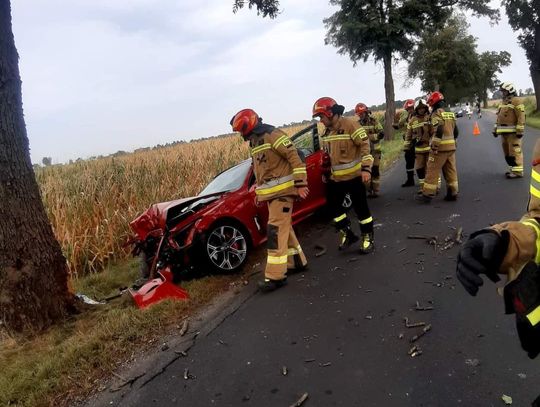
(390, 97)
(535, 66)
(33, 272)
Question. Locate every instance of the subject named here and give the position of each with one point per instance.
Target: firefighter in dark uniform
(281, 177)
(375, 133)
(347, 144)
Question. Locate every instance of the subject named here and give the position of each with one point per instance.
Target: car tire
(224, 248)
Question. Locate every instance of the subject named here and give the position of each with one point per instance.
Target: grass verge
(69, 361)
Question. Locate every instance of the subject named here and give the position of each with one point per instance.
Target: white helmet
(420, 103)
(508, 86)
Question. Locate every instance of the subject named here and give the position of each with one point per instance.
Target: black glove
(519, 135)
(495, 134)
(380, 136)
(481, 254)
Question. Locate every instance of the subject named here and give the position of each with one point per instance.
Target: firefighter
(400, 122)
(419, 134)
(347, 144)
(442, 155)
(510, 126)
(511, 249)
(375, 133)
(281, 177)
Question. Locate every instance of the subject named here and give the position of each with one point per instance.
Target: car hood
(160, 216)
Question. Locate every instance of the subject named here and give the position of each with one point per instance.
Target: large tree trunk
(535, 67)
(390, 97)
(33, 272)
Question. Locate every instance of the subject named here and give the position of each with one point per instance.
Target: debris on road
(187, 375)
(223, 342)
(415, 351)
(185, 327)
(423, 308)
(301, 400)
(413, 325)
(284, 371)
(400, 336)
(181, 353)
(402, 250)
(164, 347)
(522, 375)
(335, 268)
(309, 360)
(418, 237)
(369, 317)
(352, 259)
(321, 248)
(325, 364)
(472, 362)
(507, 399)
(426, 329)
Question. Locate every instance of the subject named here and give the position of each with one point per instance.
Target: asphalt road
(339, 328)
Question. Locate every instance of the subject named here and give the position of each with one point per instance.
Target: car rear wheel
(226, 248)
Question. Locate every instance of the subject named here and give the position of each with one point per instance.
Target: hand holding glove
(481, 254)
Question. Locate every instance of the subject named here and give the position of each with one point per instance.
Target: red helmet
(409, 104)
(324, 106)
(435, 97)
(245, 121)
(360, 109)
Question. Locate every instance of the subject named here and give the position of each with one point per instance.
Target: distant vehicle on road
(457, 110)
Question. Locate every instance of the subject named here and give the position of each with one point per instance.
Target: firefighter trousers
(284, 250)
(374, 185)
(357, 192)
(513, 155)
(445, 161)
(420, 165)
(410, 157)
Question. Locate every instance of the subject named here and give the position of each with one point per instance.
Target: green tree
(33, 272)
(489, 64)
(447, 60)
(524, 17)
(268, 8)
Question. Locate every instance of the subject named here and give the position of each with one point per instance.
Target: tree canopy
(266, 8)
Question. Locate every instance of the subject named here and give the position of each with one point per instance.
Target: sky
(101, 76)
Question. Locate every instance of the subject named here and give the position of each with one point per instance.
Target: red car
(216, 229)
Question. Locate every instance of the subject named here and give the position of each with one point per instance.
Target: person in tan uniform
(281, 177)
(419, 134)
(401, 119)
(510, 126)
(347, 144)
(442, 156)
(511, 249)
(375, 133)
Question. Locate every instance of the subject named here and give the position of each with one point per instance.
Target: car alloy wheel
(226, 247)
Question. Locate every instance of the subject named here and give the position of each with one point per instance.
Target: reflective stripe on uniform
(448, 116)
(260, 148)
(359, 133)
(535, 184)
(520, 127)
(275, 185)
(506, 129)
(447, 142)
(340, 218)
(534, 316)
(422, 149)
(294, 250)
(282, 140)
(338, 137)
(367, 157)
(349, 168)
(534, 224)
(277, 259)
(299, 170)
(418, 125)
(429, 186)
(366, 221)
(521, 107)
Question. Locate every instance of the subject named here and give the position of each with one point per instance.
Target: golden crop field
(90, 203)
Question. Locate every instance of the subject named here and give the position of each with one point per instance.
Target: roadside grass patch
(70, 361)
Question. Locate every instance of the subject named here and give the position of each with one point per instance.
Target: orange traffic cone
(476, 129)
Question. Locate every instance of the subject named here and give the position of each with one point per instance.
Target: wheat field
(90, 203)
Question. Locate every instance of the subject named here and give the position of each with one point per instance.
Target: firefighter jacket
(276, 163)
(374, 131)
(510, 117)
(418, 134)
(348, 147)
(443, 131)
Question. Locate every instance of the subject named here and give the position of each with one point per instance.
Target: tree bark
(535, 67)
(390, 97)
(33, 272)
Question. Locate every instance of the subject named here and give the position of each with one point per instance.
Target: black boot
(346, 238)
(449, 196)
(268, 285)
(410, 180)
(367, 243)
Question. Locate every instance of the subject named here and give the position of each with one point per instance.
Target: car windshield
(228, 180)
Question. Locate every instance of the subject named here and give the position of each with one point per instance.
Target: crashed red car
(214, 231)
